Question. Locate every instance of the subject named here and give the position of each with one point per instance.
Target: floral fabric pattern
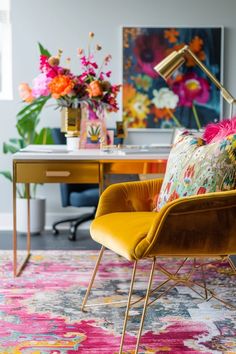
(195, 167)
(41, 310)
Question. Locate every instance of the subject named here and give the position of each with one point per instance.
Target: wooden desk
(52, 164)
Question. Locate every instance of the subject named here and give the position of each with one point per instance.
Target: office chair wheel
(72, 236)
(55, 231)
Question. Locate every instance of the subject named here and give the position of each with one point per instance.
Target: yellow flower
(139, 106)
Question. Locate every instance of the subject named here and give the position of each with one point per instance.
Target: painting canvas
(189, 98)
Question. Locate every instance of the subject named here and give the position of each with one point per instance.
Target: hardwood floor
(48, 241)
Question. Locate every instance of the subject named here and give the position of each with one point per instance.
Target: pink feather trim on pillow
(217, 131)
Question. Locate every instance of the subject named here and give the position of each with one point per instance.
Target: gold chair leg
(128, 307)
(231, 263)
(93, 277)
(145, 305)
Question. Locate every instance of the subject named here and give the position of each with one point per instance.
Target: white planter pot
(37, 215)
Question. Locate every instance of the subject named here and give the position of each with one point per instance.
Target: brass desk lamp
(174, 60)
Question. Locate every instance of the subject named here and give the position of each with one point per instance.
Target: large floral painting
(188, 99)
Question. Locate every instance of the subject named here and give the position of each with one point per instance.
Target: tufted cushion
(196, 168)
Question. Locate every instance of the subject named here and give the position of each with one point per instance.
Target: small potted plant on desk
(27, 122)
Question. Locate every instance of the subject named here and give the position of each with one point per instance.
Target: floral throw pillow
(195, 167)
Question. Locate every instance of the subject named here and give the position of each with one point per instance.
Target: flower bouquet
(89, 92)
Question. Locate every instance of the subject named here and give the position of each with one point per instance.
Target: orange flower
(95, 89)
(60, 85)
(171, 35)
(162, 113)
(25, 93)
(196, 46)
(128, 94)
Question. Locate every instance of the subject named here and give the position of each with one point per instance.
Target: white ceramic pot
(37, 215)
(72, 142)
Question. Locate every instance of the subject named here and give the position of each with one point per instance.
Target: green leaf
(36, 106)
(28, 119)
(7, 174)
(43, 51)
(44, 137)
(13, 140)
(10, 148)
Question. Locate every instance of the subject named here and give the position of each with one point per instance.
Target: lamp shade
(170, 64)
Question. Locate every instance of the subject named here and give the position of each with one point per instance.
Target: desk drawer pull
(57, 173)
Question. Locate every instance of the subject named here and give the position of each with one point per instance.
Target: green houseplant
(27, 127)
(28, 119)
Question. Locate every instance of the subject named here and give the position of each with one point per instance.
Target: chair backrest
(199, 225)
(58, 136)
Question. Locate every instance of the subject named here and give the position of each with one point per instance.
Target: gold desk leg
(145, 305)
(93, 277)
(101, 178)
(14, 226)
(128, 306)
(27, 187)
(17, 272)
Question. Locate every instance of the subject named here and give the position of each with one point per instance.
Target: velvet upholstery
(201, 225)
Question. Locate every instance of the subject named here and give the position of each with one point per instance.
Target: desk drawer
(57, 172)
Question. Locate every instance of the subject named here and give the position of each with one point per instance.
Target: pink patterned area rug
(40, 310)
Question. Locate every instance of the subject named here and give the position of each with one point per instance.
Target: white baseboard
(6, 220)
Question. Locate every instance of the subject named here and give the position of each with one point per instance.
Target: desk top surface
(60, 152)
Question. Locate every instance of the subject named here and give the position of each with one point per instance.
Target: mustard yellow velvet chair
(189, 227)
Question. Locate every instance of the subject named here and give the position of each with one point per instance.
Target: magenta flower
(108, 73)
(44, 66)
(191, 88)
(40, 85)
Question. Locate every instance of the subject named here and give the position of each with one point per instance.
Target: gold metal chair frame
(175, 277)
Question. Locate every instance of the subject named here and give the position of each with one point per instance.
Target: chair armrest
(200, 224)
(129, 196)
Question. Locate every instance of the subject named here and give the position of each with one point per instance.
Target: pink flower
(40, 85)
(49, 70)
(101, 76)
(44, 66)
(190, 87)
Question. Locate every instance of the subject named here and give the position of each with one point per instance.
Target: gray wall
(65, 24)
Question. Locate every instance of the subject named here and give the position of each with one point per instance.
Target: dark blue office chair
(76, 195)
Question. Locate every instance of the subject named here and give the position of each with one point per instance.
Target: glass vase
(93, 133)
